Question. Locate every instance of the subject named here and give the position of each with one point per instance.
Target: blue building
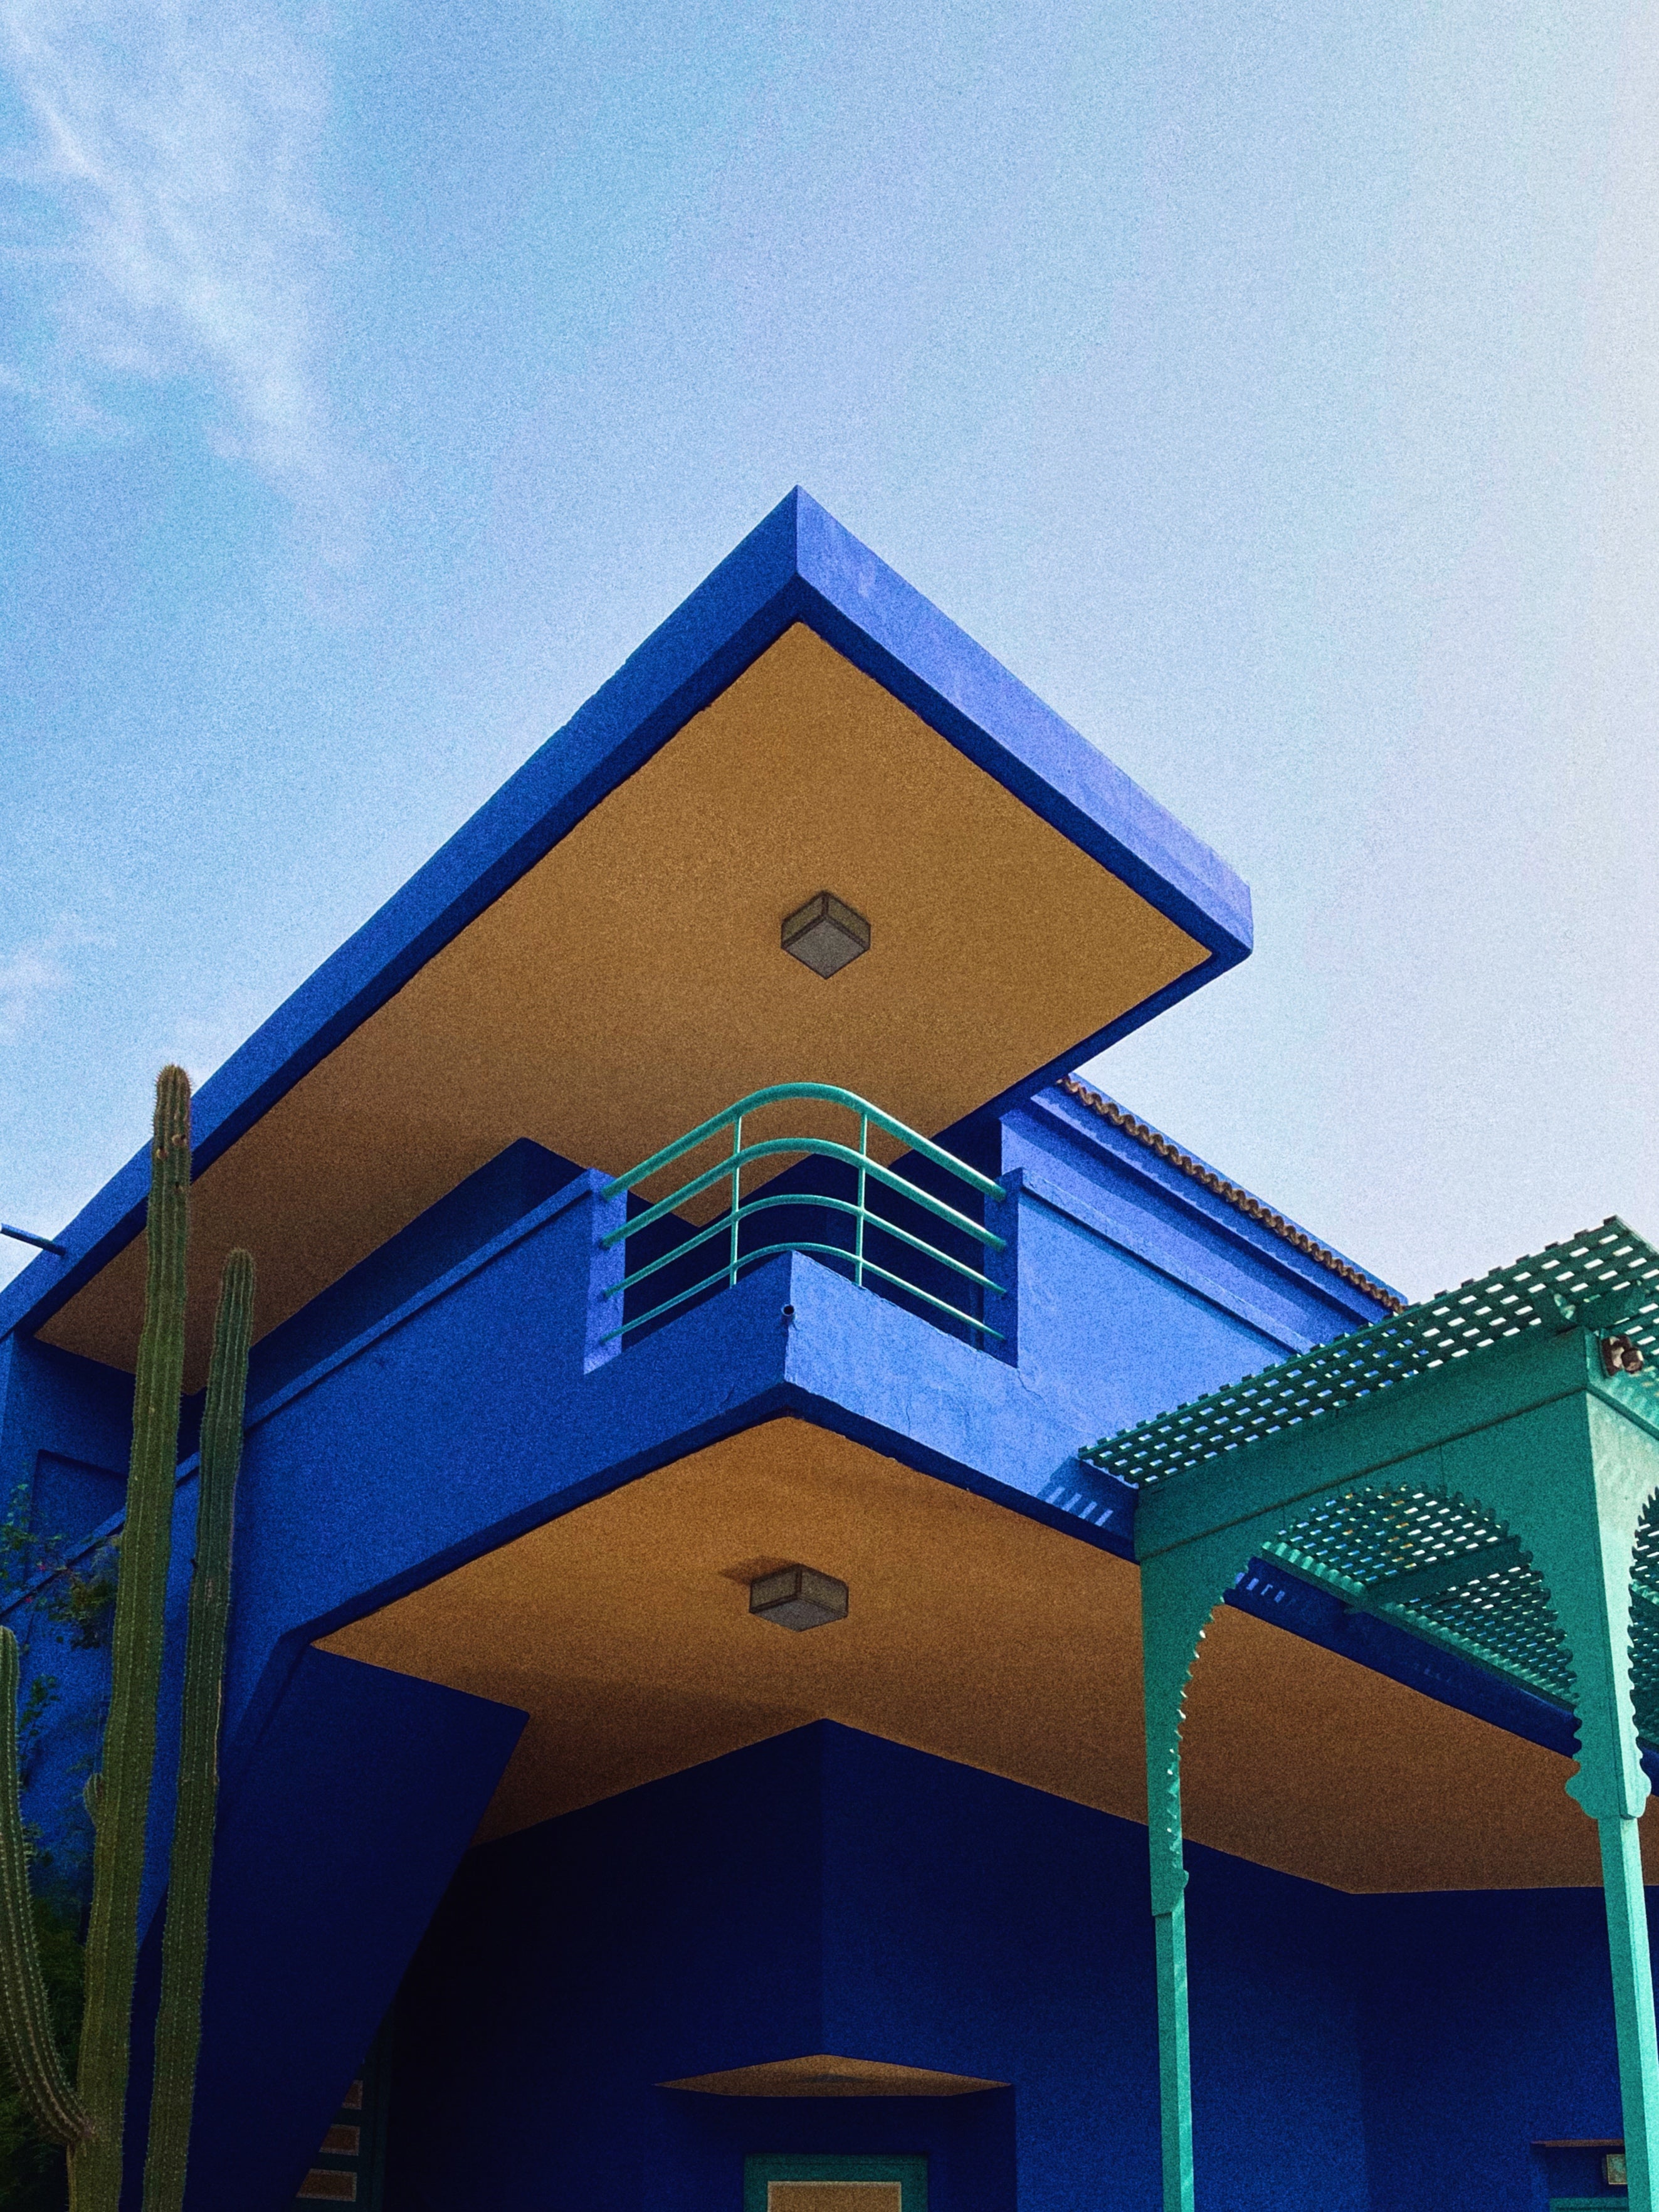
(682, 1741)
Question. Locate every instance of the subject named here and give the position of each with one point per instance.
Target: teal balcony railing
(842, 1204)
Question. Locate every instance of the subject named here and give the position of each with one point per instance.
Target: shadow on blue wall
(1487, 2028)
(333, 1853)
(826, 1891)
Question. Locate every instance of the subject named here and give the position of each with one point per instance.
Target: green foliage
(40, 1697)
(73, 1590)
(19, 1546)
(33, 2177)
(79, 1602)
(77, 1599)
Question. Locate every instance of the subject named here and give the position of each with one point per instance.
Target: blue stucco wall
(452, 1392)
(1487, 2028)
(334, 1852)
(827, 1891)
(519, 1178)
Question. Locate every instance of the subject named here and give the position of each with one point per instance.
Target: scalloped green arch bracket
(1505, 1401)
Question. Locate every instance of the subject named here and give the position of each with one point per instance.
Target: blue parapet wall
(77, 1412)
(487, 1403)
(501, 1191)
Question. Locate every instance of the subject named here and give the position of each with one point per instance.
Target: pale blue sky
(1274, 388)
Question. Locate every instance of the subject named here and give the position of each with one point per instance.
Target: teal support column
(1633, 2003)
(1572, 1477)
(1177, 1596)
(1520, 1404)
(1174, 2078)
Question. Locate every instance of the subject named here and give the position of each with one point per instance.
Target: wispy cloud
(27, 979)
(172, 216)
(35, 973)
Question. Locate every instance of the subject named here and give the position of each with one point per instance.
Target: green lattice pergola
(1481, 1469)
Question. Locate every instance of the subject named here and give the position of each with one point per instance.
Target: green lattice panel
(1367, 1536)
(1504, 1619)
(1498, 1611)
(1611, 1263)
(1495, 1611)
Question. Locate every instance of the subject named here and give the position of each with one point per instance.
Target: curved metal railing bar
(824, 1148)
(719, 1227)
(867, 1170)
(835, 1096)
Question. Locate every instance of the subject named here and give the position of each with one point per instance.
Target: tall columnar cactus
(25, 2032)
(139, 1632)
(89, 2121)
(183, 1944)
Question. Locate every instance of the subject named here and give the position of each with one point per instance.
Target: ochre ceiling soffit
(798, 582)
(975, 1632)
(631, 983)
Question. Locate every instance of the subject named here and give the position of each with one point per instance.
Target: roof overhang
(594, 960)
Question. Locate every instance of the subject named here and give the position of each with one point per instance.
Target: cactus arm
(140, 1624)
(26, 2032)
(183, 1944)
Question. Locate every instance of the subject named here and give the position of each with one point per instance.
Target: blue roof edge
(1155, 1157)
(799, 564)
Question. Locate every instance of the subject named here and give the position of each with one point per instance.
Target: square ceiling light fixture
(824, 935)
(798, 1597)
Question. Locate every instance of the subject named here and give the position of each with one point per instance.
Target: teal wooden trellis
(1483, 1469)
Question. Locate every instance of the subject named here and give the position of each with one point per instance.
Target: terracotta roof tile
(1142, 1133)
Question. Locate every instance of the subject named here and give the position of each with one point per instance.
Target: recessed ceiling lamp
(798, 1597)
(824, 935)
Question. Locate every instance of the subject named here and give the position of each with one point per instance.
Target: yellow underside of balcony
(975, 1633)
(631, 983)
